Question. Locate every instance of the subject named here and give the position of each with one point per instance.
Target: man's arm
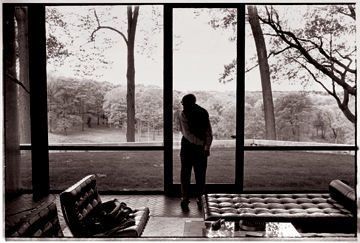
(208, 140)
(184, 128)
(209, 137)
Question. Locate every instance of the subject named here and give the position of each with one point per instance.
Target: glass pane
(220, 168)
(200, 53)
(114, 171)
(303, 109)
(88, 75)
(26, 170)
(297, 170)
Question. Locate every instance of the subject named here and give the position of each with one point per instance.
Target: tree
(319, 124)
(317, 49)
(264, 73)
(293, 109)
(254, 121)
(64, 103)
(224, 18)
(132, 21)
(56, 51)
(337, 123)
(114, 105)
(149, 108)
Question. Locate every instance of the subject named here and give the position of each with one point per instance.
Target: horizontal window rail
(249, 144)
(98, 147)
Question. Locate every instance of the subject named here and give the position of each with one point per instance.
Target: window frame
(39, 132)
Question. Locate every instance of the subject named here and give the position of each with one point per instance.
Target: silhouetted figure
(195, 147)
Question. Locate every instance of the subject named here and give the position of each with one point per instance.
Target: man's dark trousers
(193, 156)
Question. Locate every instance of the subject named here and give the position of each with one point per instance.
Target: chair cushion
(141, 216)
(43, 221)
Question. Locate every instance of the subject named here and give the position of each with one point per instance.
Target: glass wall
(87, 94)
(87, 67)
(305, 100)
(114, 170)
(290, 103)
(200, 52)
(291, 170)
(105, 88)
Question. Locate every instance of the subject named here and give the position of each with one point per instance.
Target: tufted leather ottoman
(338, 206)
(80, 200)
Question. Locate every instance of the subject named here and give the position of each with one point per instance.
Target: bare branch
(97, 19)
(352, 11)
(105, 27)
(297, 45)
(271, 53)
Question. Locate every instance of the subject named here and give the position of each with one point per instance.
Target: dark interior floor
(159, 205)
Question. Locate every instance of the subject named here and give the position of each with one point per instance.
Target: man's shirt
(184, 128)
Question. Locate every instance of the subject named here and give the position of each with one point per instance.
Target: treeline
(300, 116)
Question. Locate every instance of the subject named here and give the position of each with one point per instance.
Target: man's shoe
(185, 205)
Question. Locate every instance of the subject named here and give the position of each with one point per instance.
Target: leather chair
(79, 203)
(41, 222)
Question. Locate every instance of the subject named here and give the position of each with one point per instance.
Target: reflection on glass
(226, 230)
(288, 170)
(114, 171)
(279, 230)
(26, 170)
(231, 229)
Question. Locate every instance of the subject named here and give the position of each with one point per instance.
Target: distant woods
(80, 104)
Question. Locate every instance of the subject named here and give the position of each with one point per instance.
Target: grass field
(143, 170)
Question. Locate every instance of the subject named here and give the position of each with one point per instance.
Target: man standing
(195, 147)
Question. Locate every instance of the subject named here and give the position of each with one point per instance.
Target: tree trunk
(130, 75)
(12, 139)
(98, 117)
(21, 14)
(264, 73)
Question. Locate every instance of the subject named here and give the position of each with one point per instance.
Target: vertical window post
(168, 104)
(240, 99)
(38, 100)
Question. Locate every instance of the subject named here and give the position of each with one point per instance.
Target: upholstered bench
(80, 201)
(336, 207)
(43, 221)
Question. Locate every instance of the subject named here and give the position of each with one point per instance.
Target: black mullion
(38, 100)
(240, 99)
(168, 100)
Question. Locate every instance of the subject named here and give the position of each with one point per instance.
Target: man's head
(188, 100)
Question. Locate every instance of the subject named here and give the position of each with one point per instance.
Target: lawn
(143, 170)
